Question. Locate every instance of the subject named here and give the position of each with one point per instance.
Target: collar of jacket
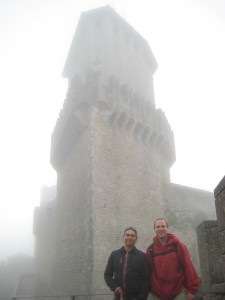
(133, 250)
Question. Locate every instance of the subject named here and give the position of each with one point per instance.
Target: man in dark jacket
(127, 270)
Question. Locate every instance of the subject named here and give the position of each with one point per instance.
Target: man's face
(161, 229)
(129, 238)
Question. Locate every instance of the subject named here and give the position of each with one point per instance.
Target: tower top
(100, 30)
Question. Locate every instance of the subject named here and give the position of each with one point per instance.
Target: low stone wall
(211, 244)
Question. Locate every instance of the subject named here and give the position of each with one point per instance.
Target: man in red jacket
(173, 275)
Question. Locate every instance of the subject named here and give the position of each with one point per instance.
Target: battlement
(128, 111)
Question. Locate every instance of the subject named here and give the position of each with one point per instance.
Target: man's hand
(190, 296)
(118, 291)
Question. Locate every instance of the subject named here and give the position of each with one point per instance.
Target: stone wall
(186, 208)
(211, 243)
(44, 232)
(12, 271)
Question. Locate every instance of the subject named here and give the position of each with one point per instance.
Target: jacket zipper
(124, 273)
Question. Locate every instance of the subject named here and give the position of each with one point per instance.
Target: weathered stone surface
(209, 253)
(220, 187)
(211, 241)
(218, 288)
(220, 210)
(186, 208)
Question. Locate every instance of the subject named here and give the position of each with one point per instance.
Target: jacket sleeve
(191, 277)
(145, 279)
(108, 274)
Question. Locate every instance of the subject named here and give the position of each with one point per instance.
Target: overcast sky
(187, 38)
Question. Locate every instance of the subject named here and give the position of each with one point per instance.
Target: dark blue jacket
(130, 271)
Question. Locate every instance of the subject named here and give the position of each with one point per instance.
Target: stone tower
(112, 151)
(111, 148)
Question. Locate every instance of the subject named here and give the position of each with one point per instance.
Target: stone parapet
(211, 242)
(209, 253)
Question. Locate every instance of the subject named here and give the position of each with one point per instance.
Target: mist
(187, 39)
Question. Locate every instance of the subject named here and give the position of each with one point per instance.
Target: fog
(187, 39)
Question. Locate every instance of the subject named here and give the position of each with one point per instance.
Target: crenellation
(121, 119)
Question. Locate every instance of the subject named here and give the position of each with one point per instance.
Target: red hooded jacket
(171, 272)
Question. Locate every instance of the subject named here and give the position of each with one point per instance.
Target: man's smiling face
(161, 228)
(129, 238)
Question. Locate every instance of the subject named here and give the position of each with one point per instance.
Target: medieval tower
(112, 151)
